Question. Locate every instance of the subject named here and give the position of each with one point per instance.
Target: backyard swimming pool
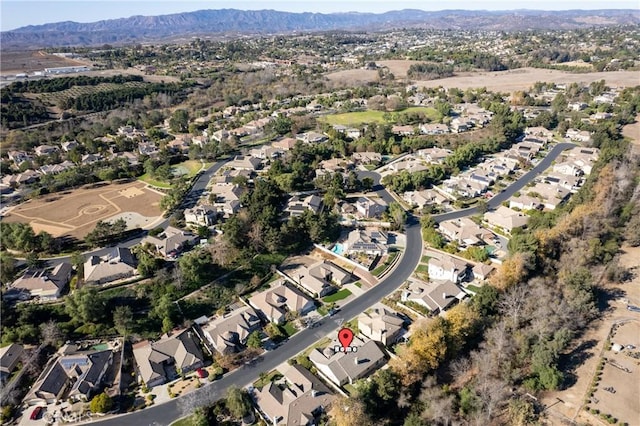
(338, 249)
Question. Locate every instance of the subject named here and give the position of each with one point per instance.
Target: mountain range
(232, 21)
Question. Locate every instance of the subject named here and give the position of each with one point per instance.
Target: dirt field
(398, 67)
(353, 77)
(524, 78)
(29, 61)
(568, 405)
(76, 212)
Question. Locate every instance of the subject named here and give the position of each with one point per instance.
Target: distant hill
(203, 22)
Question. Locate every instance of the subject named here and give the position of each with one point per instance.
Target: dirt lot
(398, 67)
(353, 77)
(568, 405)
(524, 78)
(29, 61)
(76, 212)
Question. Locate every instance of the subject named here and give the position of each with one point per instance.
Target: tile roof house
(317, 279)
(77, 375)
(464, 231)
(297, 401)
(43, 283)
(524, 202)
(368, 241)
(505, 218)
(342, 368)
(447, 268)
(172, 241)
(275, 302)
(285, 144)
(550, 196)
(161, 361)
(434, 155)
(368, 208)
(245, 162)
(482, 271)
(9, 358)
(227, 198)
(229, 333)
(425, 197)
(381, 324)
(45, 149)
(52, 169)
(366, 157)
(437, 296)
(118, 264)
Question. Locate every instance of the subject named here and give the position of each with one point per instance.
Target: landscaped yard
(377, 271)
(339, 295)
(154, 182)
(473, 288)
(289, 328)
(263, 380)
(370, 116)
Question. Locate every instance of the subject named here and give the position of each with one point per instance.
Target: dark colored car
(201, 373)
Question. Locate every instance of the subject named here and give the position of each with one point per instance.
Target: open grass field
(76, 212)
(370, 116)
(29, 61)
(189, 168)
(524, 78)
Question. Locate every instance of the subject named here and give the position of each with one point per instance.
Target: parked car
(36, 413)
(202, 373)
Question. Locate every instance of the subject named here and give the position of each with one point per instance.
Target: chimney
(444, 295)
(355, 359)
(314, 393)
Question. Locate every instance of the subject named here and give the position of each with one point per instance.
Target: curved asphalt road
(165, 414)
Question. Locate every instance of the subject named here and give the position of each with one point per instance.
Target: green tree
(86, 305)
(101, 403)
(238, 402)
(179, 121)
(254, 341)
(123, 319)
(7, 267)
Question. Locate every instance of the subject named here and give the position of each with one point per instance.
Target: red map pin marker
(346, 337)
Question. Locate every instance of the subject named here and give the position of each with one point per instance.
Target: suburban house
(164, 360)
(434, 129)
(43, 283)
(266, 152)
(424, 198)
(295, 400)
(275, 302)
(9, 358)
(285, 144)
(505, 218)
(200, 215)
(578, 135)
(434, 155)
(18, 157)
(482, 271)
(54, 169)
(409, 164)
(229, 333)
(437, 296)
(317, 279)
(118, 264)
(447, 268)
(227, 198)
(245, 162)
(550, 196)
(381, 324)
(45, 150)
(312, 137)
(569, 182)
(74, 375)
(403, 130)
(465, 231)
(367, 241)
(368, 209)
(297, 206)
(524, 202)
(367, 157)
(172, 241)
(342, 368)
(28, 176)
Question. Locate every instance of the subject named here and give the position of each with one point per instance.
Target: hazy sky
(18, 13)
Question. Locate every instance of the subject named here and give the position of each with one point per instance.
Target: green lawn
(322, 310)
(422, 269)
(342, 294)
(370, 116)
(273, 375)
(377, 271)
(148, 179)
(289, 329)
(351, 390)
(358, 284)
(473, 288)
(425, 259)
